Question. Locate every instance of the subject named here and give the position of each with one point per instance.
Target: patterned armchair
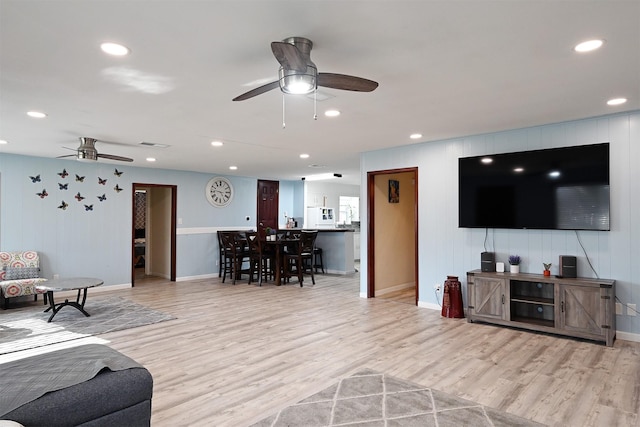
(19, 275)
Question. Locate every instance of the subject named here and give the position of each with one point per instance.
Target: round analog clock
(219, 191)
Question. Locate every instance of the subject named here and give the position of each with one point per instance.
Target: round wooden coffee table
(81, 284)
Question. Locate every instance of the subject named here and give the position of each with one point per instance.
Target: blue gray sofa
(90, 386)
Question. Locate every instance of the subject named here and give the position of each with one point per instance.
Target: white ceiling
(445, 68)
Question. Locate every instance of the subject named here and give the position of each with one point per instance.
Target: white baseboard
(627, 336)
(94, 290)
(200, 277)
(399, 287)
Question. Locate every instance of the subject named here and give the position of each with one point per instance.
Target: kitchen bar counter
(337, 249)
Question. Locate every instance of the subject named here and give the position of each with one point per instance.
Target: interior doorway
(392, 235)
(153, 232)
(267, 215)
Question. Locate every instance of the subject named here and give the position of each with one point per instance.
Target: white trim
(399, 287)
(94, 290)
(429, 305)
(627, 336)
(200, 277)
(210, 230)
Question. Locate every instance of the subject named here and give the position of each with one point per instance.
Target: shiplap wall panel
(446, 249)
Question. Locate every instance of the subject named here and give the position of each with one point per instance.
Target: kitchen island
(337, 249)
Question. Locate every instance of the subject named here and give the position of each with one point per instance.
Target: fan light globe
(296, 83)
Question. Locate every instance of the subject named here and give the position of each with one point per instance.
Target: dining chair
(302, 257)
(260, 260)
(235, 253)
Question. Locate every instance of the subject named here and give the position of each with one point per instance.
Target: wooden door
(267, 204)
(581, 309)
(488, 298)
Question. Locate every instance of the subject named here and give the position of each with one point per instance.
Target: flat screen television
(553, 189)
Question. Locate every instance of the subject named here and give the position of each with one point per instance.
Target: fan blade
(344, 82)
(289, 56)
(257, 91)
(68, 155)
(112, 157)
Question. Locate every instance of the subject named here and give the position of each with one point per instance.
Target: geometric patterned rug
(26, 327)
(372, 399)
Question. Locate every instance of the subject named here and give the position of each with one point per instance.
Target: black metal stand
(55, 308)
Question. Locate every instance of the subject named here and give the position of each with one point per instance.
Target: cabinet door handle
(562, 306)
(502, 298)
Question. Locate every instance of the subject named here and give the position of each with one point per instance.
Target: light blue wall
(76, 242)
(444, 249)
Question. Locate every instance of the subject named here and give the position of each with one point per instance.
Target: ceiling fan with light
(87, 151)
(299, 75)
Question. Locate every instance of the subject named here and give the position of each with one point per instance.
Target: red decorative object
(452, 298)
(547, 273)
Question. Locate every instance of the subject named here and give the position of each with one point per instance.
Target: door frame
(371, 216)
(174, 221)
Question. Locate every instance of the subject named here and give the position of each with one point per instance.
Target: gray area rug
(372, 399)
(26, 327)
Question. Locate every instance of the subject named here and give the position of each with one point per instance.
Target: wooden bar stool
(317, 253)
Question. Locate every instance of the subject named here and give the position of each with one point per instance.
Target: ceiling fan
(87, 151)
(299, 75)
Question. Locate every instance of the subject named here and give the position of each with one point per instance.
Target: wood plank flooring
(236, 354)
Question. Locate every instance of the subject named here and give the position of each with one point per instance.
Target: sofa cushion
(17, 273)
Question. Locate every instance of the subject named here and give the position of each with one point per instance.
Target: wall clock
(219, 191)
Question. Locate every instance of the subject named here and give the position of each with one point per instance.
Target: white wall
(444, 249)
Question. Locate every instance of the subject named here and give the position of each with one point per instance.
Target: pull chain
(315, 104)
(283, 123)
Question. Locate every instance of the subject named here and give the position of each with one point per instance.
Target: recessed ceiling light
(518, 170)
(487, 160)
(114, 49)
(233, 168)
(2, 142)
(304, 156)
(588, 46)
(415, 136)
(151, 159)
(217, 143)
(36, 114)
(554, 174)
(332, 113)
(616, 101)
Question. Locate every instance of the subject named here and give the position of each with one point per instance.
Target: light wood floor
(236, 354)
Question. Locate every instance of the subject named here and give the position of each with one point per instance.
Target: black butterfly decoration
(102, 198)
(79, 197)
(35, 179)
(88, 207)
(117, 173)
(117, 188)
(63, 186)
(63, 206)
(63, 174)
(79, 178)
(102, 181)
(43, 194)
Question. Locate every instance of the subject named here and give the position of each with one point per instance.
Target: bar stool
(317, 252)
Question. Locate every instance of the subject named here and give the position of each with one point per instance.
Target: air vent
(151, 144)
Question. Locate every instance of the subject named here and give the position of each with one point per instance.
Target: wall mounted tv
(554, 189)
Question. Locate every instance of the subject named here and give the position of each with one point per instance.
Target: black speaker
(568, 266)
(487, 262)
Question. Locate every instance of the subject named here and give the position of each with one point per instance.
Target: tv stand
(580, 307)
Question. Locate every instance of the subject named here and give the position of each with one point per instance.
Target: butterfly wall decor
(102, 198)
(117, 173)
(79, 178)
(63, 174)
(102, 181)
(79, 197)
(43, 194)
(63, 206)
(117, 188)
(88, 207)
(63, 186)
(35, 179)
